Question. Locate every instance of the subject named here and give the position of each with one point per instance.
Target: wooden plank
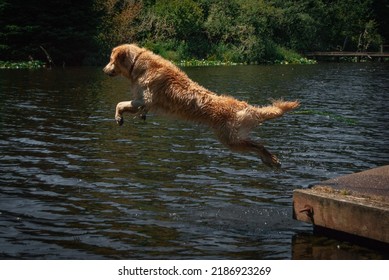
(348, 54)
(357, 204)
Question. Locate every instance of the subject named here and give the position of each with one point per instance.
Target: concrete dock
(355, 204)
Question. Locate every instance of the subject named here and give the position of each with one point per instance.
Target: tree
(64, 28)
(117, 23)
(76, 32)
(381, 12)
(300, 24)
(186, 19)
(354, 26)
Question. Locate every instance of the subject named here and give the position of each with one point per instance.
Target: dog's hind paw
(271, 161)
(119, 120)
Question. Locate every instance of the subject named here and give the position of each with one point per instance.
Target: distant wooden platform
(359, 55)
(356, 204)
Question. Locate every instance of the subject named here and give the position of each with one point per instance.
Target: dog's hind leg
(244, 145)
(131, 107)
(251, 146)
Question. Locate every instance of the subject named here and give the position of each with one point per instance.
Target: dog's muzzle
(109, 70)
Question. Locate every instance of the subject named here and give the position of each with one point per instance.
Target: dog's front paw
(119, 120)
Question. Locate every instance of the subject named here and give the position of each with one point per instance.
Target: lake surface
(74, 185)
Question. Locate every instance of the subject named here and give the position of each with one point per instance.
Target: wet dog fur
(158, 85)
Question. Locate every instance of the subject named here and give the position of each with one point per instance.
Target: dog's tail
(277, 109)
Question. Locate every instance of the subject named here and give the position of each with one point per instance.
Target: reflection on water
(320, 247)
(75, 185)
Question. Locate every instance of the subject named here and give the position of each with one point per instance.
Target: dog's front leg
(131, 107)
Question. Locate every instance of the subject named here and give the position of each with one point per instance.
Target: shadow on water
(74, 185)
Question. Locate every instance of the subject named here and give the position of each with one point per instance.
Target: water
(75, 185)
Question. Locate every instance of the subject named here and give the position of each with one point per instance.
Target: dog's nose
(110, 70)
(107, 71)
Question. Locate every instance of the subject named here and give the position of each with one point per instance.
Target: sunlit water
(75, 185)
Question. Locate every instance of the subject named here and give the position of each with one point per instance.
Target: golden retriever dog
(158, 85)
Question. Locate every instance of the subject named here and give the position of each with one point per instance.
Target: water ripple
(74, 185)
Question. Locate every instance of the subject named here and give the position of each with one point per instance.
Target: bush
(32, 64)
(285, 56)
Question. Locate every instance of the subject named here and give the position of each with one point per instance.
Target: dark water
(75, 185)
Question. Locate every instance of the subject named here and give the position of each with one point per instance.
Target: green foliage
(32, 64)
(185, 16)
(241, 31)
(260, 31)
(300, 23)
(286, 56)
(203, 62)
(354, 25)
(64, 28)
(179, 24)
(117, 23)
(169, 49)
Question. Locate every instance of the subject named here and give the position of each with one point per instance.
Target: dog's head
(121, 61)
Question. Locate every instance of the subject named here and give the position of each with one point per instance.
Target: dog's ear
(121, 55)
